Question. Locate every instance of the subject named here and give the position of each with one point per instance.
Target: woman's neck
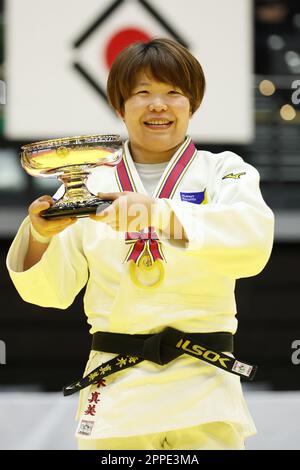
(140, 155)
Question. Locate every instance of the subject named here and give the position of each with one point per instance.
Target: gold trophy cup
(71, 159)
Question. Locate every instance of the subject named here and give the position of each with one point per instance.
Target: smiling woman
(155, 88)
(188, 229)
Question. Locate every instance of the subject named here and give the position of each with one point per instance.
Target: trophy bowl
(71, 159)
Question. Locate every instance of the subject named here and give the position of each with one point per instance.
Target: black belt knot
(157, 347)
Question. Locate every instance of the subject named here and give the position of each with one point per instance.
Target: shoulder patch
(234, 176)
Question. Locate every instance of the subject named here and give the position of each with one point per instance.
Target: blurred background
(54, 61)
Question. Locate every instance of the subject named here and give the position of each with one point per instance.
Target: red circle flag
(122, 39)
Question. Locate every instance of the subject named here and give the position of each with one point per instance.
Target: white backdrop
(47, 97)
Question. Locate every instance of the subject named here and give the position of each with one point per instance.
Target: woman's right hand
(47, 228)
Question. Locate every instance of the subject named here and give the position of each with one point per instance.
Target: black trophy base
(76, 209)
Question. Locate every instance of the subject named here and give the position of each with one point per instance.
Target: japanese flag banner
(58, 55)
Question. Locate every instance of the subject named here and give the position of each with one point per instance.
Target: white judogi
(230, 232)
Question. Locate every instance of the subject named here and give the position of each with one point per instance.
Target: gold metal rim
(133, 268)
(62, 140)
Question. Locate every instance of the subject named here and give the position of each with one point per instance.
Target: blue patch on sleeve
(195, 198)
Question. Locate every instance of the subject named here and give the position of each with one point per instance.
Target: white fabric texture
(230, 237)
(150, 174)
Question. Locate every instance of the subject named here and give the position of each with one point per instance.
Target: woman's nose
(158, 105)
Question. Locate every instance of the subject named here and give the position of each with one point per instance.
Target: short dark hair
(166, 60)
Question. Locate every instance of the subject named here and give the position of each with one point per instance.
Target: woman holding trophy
(159, 263)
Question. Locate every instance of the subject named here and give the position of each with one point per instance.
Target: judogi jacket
(229, 228)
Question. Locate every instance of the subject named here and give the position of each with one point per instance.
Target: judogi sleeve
(59, 275)
(235, 230)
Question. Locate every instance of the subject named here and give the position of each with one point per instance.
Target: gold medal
(146, 274)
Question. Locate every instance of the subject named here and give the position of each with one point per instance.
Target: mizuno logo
(207, 354)
(234, 177)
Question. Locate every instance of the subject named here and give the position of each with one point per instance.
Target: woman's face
(156, 115)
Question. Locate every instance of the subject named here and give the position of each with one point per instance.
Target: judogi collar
(128, 178)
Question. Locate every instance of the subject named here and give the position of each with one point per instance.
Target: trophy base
(76, 209)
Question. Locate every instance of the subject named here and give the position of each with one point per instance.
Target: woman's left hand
(129, 212)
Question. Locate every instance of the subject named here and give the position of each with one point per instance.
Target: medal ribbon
(143, 241)
(148, 239)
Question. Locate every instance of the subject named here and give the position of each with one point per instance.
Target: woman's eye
(174, 92)
(142, 91)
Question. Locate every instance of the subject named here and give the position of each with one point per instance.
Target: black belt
(161, 348)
